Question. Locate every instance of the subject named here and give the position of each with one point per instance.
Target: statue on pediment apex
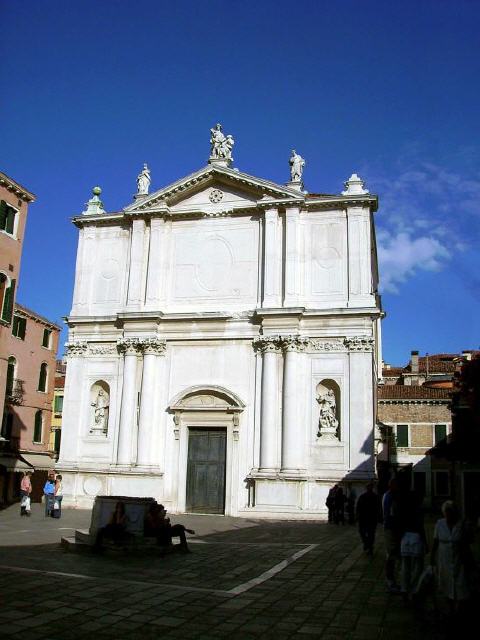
(221, 145)
(297, 164)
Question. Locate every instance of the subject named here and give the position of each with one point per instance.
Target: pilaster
(135, 279)
(272, 260)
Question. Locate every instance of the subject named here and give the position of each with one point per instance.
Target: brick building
(27, 415)
(414, 411)
(28, 344)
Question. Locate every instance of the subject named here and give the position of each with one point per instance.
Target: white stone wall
(252, 302)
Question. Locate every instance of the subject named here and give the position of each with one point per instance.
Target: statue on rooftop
(221, 145)
(296, 166)
(143, 181)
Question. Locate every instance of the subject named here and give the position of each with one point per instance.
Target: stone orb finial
(96, 191)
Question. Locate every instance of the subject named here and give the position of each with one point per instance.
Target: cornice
(16, 188)
(329, 202)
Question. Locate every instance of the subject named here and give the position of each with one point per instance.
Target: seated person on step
(116, 527)
(158, 526)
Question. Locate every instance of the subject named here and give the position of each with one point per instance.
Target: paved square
(244, 579)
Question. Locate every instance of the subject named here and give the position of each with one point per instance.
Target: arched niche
(329, 417)
(100, 407)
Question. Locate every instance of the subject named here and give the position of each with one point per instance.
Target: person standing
(57, 505)
(25, 491)
(49, 495)
(413, 544)
(451, 556)
(330, 503)
(368, 510)
(392, 528)
(339, 506)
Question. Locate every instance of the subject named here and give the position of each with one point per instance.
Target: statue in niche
(143, 181)
(221, 145)
(100, 412)
(327, 422)
(296, 166)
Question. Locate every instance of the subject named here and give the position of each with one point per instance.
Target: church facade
(223, 344)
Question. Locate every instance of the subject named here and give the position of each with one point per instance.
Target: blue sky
(387, 89)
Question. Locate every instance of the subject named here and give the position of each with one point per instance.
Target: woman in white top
(57, 505)
(450, 554)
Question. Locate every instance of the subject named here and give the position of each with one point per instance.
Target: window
(7, 217)
(56, 443)
(12, 363)
(7, 426)
(7, 297)
(19, 327)
(46, 338)
(442, 483)
(440, 432)
(42, 379)
(38, 426)
(402, 435)
(58, 404)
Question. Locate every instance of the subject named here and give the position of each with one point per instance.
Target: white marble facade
(224, 302)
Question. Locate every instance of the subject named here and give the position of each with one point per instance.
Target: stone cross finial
(220, 147)
(354, 186)
(94, 205)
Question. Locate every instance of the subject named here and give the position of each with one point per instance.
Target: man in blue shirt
(49, 493)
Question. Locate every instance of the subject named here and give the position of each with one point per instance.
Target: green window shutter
(10, 221)
(3, 214)
(440, 432)
(58, 406)
(58, 437)
(402, 435)
(8, 301)
(10, 377)
(22, 328)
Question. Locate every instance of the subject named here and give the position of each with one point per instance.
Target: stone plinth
(135, 509)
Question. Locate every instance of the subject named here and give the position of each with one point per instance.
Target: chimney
(414, 362)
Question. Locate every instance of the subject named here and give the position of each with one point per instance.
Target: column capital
(76, 348)
(152, 346)
(360, 343)
(294, 343)
(128, 346)
(267, 344)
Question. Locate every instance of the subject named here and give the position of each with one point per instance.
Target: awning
(39, 461)
(12, 463)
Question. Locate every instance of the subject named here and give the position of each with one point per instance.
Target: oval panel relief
(214, 270)
(92, 486)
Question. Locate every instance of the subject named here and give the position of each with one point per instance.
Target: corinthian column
(269, 347)
(152, 349)
(129, 346)
(293, 424)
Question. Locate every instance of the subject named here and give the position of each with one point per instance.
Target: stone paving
(244, 579)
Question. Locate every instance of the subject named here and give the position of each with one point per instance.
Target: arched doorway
(206, 424)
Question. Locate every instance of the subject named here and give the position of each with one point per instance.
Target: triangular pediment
(217, 187)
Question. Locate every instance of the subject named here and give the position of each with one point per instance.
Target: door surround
(206, 407)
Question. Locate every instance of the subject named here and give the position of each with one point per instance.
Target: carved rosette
(152, 346)
(128, 346)
(77, 348)
(360, 343)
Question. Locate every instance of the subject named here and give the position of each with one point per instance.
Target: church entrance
(206, 470)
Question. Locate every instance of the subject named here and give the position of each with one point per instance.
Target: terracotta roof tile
(408, 392)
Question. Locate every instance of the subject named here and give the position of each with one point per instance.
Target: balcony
(15, 391)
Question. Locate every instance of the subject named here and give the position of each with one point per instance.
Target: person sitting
(116, 527)
(157, 525)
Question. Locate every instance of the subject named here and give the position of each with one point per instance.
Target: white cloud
(428, 214)
(400, 256)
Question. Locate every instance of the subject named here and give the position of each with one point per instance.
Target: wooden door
(206, 470)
